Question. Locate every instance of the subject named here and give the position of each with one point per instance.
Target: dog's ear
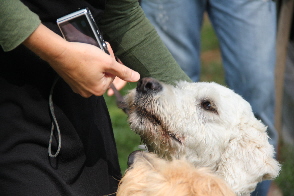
(248, 158)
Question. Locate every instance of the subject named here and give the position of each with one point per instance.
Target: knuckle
(99, 92)
(85, 95)
(108, 61)
(125, 72)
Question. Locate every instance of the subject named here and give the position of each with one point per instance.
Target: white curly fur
(224, 136)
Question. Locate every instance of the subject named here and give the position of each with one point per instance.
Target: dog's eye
(207, 105)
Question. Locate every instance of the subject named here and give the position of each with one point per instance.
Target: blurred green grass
(286, 178)
(211, 70)
(211, 65)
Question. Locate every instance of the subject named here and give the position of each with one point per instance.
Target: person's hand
(118, 83)
(86, 68)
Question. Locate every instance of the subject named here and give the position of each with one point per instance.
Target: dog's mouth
(161, 127)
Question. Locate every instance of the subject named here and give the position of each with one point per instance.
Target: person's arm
(86, 68)
(17, 22)
(136, 42)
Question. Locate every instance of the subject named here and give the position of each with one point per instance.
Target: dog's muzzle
(148, 85)
(145, 86)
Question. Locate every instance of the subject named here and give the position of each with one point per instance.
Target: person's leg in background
(246, 30)
(178, 23)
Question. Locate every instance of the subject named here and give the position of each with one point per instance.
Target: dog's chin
(153, 131)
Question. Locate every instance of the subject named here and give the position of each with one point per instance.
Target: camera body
(80, 26)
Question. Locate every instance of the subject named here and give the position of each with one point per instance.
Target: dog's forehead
(224, 99)
(207, 90)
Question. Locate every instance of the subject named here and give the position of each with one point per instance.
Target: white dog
(207, 124)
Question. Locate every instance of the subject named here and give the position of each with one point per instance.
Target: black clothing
(87, 163)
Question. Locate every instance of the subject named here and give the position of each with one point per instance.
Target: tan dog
(206, 124)
(153, 176)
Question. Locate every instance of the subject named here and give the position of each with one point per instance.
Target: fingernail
(135, 76)
(110, 92)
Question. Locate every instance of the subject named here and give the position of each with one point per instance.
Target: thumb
(124, 72)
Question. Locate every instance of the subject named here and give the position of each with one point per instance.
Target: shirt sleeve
(17, 23)
(135, 41)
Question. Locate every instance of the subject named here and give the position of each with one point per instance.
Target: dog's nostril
(149, 85)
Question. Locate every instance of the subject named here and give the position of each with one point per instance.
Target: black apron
(87, 163)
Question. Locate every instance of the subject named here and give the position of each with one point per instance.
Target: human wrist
(46, 44)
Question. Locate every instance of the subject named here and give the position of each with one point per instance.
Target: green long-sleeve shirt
(132, 37)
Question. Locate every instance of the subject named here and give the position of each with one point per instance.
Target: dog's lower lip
(173, 136)
(151, 117)
(156, 121)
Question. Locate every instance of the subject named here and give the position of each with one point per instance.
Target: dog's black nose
(148, 85)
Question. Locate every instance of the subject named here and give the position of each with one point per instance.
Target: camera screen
(78, 30)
